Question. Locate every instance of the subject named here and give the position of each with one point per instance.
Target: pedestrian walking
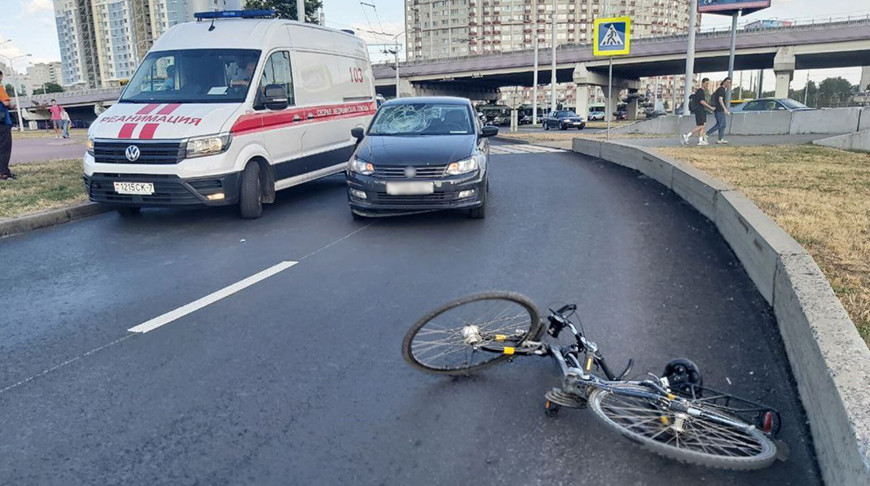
(55, 110)
(5, 132)
(719, 102)
(698, 106)
(65, 122)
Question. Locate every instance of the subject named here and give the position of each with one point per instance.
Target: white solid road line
(210, 299)
(522, 149)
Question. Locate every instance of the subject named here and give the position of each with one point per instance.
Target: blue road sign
(612, 37)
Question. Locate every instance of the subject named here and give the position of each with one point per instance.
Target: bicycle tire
(530, 326)
(722, 459)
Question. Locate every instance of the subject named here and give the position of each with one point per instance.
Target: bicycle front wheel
(684, 437)
(471, 333)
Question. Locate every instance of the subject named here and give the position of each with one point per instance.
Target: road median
(829, 359)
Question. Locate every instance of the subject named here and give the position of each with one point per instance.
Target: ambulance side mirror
(275, 97)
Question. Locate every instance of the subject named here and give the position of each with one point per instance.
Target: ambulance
(228, 110)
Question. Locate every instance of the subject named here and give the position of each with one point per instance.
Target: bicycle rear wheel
(684, 437)
(471, 333)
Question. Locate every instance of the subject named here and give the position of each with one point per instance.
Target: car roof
(444, 100)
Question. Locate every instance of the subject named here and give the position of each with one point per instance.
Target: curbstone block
(864, 119)
(835, 120)
(50, 218)
(656, 166)
(698, 189)
(761, 123)
(586, 146)
(859, 141)
(755, 239)
(621, 154)
(831, 365)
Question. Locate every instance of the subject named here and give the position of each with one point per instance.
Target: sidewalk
(736, 140)
(42, 149)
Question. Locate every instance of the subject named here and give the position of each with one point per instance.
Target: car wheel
(562, 126)
(581, 127)
(128, 211)
(250, 195)
(546, 126)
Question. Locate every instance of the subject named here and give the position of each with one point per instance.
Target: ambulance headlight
(90, 146)
(210, 145)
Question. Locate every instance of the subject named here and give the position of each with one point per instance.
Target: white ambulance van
(228, 110)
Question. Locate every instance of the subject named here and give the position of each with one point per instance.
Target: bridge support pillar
(582, 95)
(633, 104)
(783, 68)
(614, 102)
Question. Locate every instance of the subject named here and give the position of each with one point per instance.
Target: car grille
(152, 153)
(423, 199)
(398, 172)
(167, 189)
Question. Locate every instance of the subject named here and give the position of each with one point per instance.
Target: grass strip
(41, 186)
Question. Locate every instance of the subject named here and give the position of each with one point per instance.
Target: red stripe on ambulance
(148, 130)
(168, 108)
(148, 109)
(257, 122)
(127, 130)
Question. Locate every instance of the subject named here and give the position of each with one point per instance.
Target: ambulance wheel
(250, 193)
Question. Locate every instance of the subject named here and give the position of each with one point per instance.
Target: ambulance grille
(150, 153)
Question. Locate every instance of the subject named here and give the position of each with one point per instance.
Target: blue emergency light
(236, 14)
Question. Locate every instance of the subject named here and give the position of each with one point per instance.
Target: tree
(49, 88)
(10, 90)
(834, 91)
(286, 9)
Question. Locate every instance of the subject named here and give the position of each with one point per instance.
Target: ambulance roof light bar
(236, 14)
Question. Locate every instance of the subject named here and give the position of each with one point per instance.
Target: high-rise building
(437, 29)
(38, 75)
(102, 41)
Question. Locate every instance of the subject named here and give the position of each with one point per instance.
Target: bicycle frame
(578, 377)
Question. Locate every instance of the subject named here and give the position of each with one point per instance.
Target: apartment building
(438, 29)
(102, 41)
(41, 73)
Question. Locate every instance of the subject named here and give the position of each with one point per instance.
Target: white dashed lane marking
(522, 149)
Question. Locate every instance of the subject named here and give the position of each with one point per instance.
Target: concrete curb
(514, 141)
(50, 218)
(830, 361)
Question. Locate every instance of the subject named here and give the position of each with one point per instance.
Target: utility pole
(734, 18)
(807, 87)
(300, 10)
(396, 52)
(690, 55)
(535, 74)
(553, 68)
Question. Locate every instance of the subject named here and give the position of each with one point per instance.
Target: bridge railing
(45, 98)
(714, 32)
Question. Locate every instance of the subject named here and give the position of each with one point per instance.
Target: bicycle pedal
(565, 399)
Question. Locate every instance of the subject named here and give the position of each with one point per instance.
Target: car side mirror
(275, 97)
(358, 133)
(488, 131)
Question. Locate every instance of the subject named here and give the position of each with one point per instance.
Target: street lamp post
(17, 89)
(553, 61)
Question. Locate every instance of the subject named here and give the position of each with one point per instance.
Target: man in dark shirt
(699, 107)
(719, 100)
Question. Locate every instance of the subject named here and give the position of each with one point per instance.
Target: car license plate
(140, 188)
(410, 188)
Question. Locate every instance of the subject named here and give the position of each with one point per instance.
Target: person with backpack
(719, 100)
(5, 133)
(698, 106)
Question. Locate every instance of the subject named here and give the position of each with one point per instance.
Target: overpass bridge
(807, 46)
(817, 45)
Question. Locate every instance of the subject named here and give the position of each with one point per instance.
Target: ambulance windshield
(193, 76)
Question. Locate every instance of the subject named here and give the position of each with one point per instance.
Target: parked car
(216, 112)
(418, 155)
(621, 115)
(524, 119)
(771, 104)
(596, 115)
(654, 113)
(563, 120)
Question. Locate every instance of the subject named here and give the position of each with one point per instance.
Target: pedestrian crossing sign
(612, 36)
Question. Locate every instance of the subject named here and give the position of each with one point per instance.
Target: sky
(30, 26)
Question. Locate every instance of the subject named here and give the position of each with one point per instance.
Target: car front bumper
(446, 195)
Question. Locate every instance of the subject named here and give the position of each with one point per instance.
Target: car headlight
(361, 166)
(462, 167)
(90, 146)
(210, 145)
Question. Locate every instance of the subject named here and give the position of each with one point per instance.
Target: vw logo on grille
(410, 172)
(132, 153)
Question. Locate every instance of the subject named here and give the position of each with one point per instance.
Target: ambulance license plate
(135, 188)
(410, 188)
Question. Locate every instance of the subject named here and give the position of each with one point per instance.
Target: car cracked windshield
(193, 76)
(422, 119)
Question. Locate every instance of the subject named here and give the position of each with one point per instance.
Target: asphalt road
(299, 379)
(47, 148)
